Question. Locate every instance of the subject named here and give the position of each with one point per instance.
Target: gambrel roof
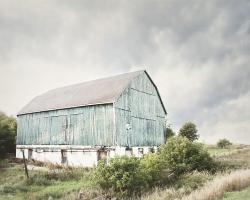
(100, 91)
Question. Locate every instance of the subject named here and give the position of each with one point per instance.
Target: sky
(197, 53)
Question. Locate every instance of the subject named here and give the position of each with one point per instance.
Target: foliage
(169, 132)
(189, 131)
(129, 176)
(153, 167)
(223, 143)
(181, 155)
(122, 175)
(7, 134)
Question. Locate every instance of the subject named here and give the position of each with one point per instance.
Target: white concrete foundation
(79, 156)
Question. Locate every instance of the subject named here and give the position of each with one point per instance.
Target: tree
(7, 134)
(223, 143)
(169, 132)
(189, 131)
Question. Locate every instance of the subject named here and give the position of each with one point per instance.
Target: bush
(152, 167)
(122, 176)
(181, 155)
(223, 143)
(127, 177)
(189, 131)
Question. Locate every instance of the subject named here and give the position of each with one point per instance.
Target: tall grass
(166, 194)
(215, 189)
(197, 186)
(182, 186)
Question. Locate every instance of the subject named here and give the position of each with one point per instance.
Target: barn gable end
(140, 114)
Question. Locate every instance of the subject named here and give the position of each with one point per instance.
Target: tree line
(8, 128)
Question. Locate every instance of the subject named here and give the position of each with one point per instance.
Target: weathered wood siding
(90, 125)
(139, 115)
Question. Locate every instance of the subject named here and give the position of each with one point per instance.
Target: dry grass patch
(215, 189)
(182, 186)
(166, 194)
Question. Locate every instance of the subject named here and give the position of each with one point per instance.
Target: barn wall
(90, 125)
(139, 115)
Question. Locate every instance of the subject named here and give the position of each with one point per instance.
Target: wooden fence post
(25, 165)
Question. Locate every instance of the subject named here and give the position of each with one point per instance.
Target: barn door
(72, 128)
(65, 129)
(59, 129)
(76, 129)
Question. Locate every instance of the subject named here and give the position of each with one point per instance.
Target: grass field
(71, 183)
(238, 195)
(213, 150)
(42, 185)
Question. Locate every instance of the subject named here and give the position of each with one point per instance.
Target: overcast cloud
(197, 52)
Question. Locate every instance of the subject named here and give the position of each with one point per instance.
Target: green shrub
(181, 155)
(122, 176)
(129, 176)
(152, 167)
(223, 143)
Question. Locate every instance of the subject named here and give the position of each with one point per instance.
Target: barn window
(64, 156)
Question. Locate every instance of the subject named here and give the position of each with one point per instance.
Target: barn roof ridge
(73, 95)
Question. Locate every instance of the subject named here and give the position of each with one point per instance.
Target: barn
(80, 124)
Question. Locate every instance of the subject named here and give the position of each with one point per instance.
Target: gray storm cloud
(196, 52)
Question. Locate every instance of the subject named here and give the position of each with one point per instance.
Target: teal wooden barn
(99, 119)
